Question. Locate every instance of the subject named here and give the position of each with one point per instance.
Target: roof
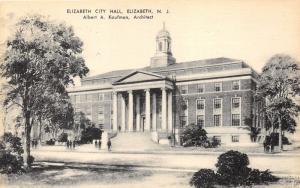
(189, 64)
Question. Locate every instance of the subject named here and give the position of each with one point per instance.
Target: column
(163, 109)
(170, 112)
(130, 111)
(154, 112)
(138, 112)
(115, 112)
(147, 110)
(123, 113)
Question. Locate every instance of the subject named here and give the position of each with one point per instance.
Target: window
(236, 85)
(235, 138)
(236, 120)
(200, 88)
(77, 98)
(101, 96)
(217, 103)
(89, 97)
(77, 109)
(184, 89)
(200, 120)
(200, 104)
(100, 114)
(183, 121)
(218, 86)
(83, 98)
(236, 102)
(217, 120)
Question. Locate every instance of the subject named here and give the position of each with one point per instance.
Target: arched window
(160, 46)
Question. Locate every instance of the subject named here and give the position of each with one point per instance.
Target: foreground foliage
(232, 170)
(11, 151)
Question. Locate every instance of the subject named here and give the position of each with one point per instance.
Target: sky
(251, 31)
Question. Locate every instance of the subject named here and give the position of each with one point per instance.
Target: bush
(232, 168)
(11, 160)
(193, 135)
(212, 143)
(50, 142)
(63, 137)
(204, 178)
(90, 134)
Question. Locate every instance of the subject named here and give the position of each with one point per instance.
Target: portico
(142, 101)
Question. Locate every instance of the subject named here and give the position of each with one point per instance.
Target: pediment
(139, 76)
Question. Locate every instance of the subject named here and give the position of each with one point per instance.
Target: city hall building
(166, 96)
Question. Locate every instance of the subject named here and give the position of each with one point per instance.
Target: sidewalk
(90, 148)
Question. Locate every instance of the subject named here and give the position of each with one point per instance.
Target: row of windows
(235, 103)
(88, 97)
(217, 87)
(88, 113)
(234, 138)
(235, 120)
(217, 120)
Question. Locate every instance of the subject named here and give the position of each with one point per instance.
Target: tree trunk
(279, 135)
(27, 142)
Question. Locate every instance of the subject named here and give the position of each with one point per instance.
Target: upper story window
(200, 104)
(184, 89)
(89, 97)
(217, 103)
(218, 87)
(236, 102)
(100, 109)
(236, 85)
(101, 96)
(200, 88)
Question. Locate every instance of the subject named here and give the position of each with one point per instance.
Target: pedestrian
(109, 145)
(73, 144)
(68, 144)
(99, 144)
(35, 143)
(96, 144)
(265, 145)
(32, 143)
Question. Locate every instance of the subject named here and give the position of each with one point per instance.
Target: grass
(80, 175)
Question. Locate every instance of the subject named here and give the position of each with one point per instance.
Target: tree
(42, 57)
(278, 83)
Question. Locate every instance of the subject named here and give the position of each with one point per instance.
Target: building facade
(166, 96)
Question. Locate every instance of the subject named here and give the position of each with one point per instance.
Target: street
(279, 165)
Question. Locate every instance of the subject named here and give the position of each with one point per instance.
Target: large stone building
(165, 96)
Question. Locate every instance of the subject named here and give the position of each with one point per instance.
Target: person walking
(96, 144)
(109, 145)
(99, 144)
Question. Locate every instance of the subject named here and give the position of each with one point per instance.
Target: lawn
(80, 175)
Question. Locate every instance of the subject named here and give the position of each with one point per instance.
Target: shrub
(11, 160)
(89, 134)
(232, 167)
(63, 137)
(50, 142)
(204, 178)
(193, 135)
(212, 143)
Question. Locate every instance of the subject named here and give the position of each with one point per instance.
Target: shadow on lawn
(73, 173)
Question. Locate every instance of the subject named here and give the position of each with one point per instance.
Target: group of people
(98, 144)
(269, 145)
(70, 144)
(34, 143)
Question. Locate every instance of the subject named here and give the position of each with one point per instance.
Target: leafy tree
(194, 135)
(42, 57)
(254, 131)
(278, 83)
